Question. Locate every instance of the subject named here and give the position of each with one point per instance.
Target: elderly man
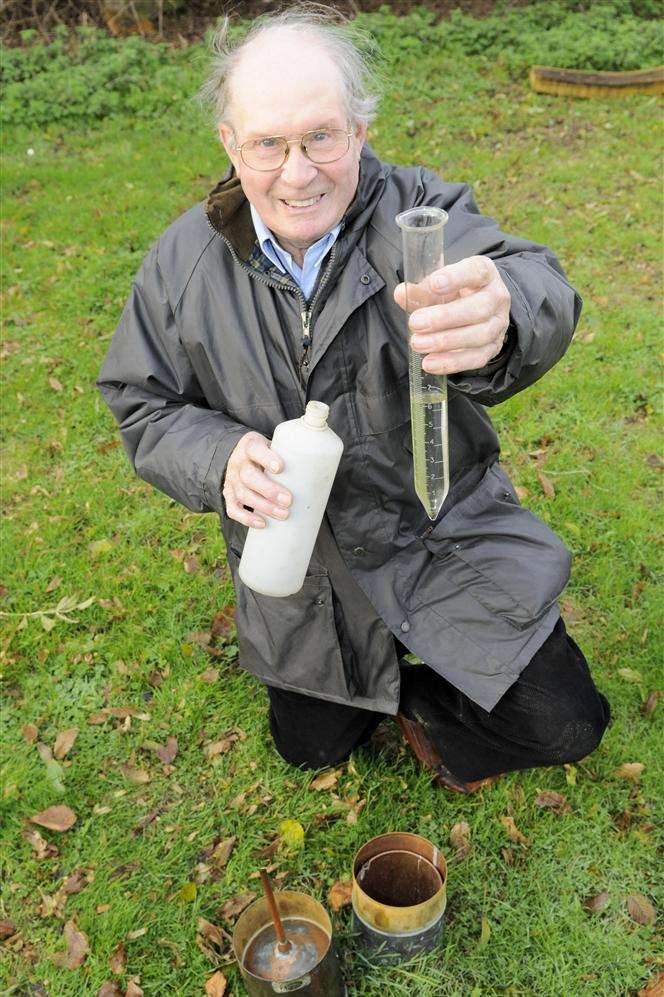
(285, 286)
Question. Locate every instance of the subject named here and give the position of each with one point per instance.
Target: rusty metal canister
(399, 896)
(257, 957)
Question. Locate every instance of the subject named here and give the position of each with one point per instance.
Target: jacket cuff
(214, 478)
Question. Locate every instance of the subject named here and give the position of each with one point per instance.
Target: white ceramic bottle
(275, 559)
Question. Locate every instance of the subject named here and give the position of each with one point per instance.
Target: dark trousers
(552, 714)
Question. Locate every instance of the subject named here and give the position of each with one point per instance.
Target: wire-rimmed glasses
(321, 145)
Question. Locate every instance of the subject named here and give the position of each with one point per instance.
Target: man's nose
(298, 170)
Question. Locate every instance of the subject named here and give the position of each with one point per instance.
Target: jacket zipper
(305, 313)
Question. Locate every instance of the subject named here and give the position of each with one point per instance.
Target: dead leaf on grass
(166, 753)
(513, 833)
(43, 849)
(327, 780)
(118, 959)
(231, 908)
(549, 800)
(7, 929)
(109, 989)
(654, 987)
(630, 770)
(78, 947)
(460, 839)
(30, 733)
(547, 485)
(640, 909)
(57, 818)
(597, 903)
(222, 852)
(136, 775)
(648, 707)
(64, 742)
(191, 564)
(339, 895)
(133, 990)
(209, 675)
(223, 624)
(216, 985)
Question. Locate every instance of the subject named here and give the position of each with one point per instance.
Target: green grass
(79, 215)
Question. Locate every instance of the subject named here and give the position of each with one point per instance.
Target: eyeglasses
(322, 145)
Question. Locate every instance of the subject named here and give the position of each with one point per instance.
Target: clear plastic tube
(422, 238)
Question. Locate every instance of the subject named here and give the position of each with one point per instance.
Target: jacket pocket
(290, 641)
(499, 553)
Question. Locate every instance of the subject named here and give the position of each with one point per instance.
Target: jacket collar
(228, 211)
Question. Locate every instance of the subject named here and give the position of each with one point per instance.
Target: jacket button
(305, 363)
(359, 551)
(365, 279)
(405, 626)
(320, 601)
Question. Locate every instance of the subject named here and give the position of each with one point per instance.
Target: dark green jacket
(210, 346)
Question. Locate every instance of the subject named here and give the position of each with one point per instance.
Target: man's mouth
(304, 202)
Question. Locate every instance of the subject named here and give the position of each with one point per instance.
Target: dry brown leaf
(460, 839)
(209, 675)
(237, 904)
(630, 770)
(213, 933)
(522, 493)
(648, 707)
(7, 929)
(191, 564)
(223, 624)
(76, 881)
(44, 849)
(54, 583)
(55, 384)
(57, 818)
(222, 852)
(134, 774)
(654, 987)
(119, 712)
(339, 895)
(508, 855)
(547, 485)
(216, 985)
(64, 742)
(655, 460)
(118, 959)
(133, 990)
(77, 947)
(595, 904)
(549, 800)
(109, 989)
(166, 753)
(30, 733)
(327, 780)
(513, 833)
(640, 909)
(220, 747)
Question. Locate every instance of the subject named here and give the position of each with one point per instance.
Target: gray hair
(350, 49)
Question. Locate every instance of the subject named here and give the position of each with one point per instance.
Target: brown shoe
(414, 734)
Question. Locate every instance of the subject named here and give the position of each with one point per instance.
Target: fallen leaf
(77, 880)
(209, 675)
(522, 493)
(549, 800)
(654, 460)
(508, 855)
(513, 833)
(648, 707)
(630, 675)
(485, 933)
(460, 839)
(133, 990)
(213, 933)
(30, 733)
(222, 852)
(339, 895)
(118, 959)
(55, 384)
(292, 834)
(630, 770)
(54, 583)
(44, 849)
(654, 987)
(136, 775)
(327, 780)
(77, 947)
(109, 989)
(547, 485)
(57, 818)
(267, 851)
(7, 929)
(191, 564)
(166, 753)
(64, 742)
(595, 904)
(145, 821)
(188, 892)
(223, 624)
(97, 548)
(136, 933)
(215, 748)
(640, 909)
(231, 908)
(216, 985)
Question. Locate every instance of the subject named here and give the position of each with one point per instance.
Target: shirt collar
(280, 256)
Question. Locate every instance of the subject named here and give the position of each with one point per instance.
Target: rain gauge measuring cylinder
(422, 238)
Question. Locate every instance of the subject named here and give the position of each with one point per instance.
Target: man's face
(286, 91)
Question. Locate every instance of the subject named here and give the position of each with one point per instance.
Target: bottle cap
(315, 415)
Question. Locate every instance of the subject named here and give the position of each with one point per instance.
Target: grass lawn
(79, 214)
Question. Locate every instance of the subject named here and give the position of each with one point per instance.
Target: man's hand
(246, 484)
(459, 315)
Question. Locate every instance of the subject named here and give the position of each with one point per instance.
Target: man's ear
(360, 133)
(227, 137)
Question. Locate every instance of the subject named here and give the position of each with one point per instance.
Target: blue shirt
(306, 275)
